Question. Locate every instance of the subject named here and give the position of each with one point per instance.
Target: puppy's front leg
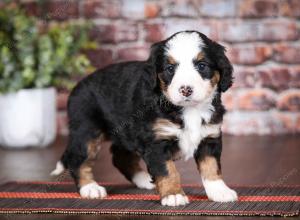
(167, 183)
(208, 163)
(169, 187)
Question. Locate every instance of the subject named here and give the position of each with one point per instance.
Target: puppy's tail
(59, 169)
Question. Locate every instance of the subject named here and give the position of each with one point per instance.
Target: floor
(245, 160)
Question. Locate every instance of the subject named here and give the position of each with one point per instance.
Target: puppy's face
(189, 68)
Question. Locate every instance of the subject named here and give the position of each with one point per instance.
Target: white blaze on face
(184, 49)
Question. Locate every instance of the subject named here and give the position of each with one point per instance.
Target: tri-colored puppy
(155, 110)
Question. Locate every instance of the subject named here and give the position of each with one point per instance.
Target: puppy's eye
(201, 66)
(170, 69)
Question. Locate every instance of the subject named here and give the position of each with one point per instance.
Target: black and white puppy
(155, 110)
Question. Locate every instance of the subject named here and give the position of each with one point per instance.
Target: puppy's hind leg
(80, 158)
(128, 164)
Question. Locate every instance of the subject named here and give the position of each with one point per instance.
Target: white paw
(218, 191)
(92, 191)
(59, 169)
(175, 200)
(143, 180)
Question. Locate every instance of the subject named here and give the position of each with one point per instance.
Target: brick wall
(262, 38)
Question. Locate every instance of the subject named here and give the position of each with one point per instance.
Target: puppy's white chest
(196, 128)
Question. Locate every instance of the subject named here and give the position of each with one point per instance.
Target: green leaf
(31, 58)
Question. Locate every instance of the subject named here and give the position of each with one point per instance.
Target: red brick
(154, 32)
(297, 125)
(115, 33)
(100, 57)
(274, 77)
(244, 77)
(249, 54)
(294, 72)
(289, 8)
(62, 123)
(152, 9)
(217, 8)
(287, 53)
(287, 121)
(289, 100)
(258, 8)
(176, 8)
(290, 121)
(133, 53)
(247, 123)
(229, 100)
(207, 27)
(259, 30)
(256, 99)
(61, 10)
(62, 100)
(101, 9)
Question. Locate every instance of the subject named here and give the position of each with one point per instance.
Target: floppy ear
(156, 56)
(224, 67)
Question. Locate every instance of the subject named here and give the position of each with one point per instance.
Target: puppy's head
(190, 67)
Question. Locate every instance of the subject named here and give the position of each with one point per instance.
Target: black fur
(123, 100)
(220, 62)
(210, 147)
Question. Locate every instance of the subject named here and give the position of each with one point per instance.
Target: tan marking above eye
(200, 56)
(171, 60)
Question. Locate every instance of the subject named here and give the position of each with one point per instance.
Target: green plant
(38, 55)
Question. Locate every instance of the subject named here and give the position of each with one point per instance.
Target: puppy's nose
(186, 91)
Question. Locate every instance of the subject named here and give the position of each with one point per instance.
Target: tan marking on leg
(170, 184)
(209, 169)
(85, 174)
(86, 169)
(215, 188)
(165, 129)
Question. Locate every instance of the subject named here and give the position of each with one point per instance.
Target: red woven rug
(61, 197)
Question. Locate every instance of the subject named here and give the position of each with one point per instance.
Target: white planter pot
(28, 118)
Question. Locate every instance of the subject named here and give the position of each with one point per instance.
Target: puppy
(154, 110)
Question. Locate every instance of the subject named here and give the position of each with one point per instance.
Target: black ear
(224, 67)
(155, 63)
(156, 57)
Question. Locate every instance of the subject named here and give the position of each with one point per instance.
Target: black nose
(186, 91)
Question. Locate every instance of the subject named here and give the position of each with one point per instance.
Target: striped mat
(62, 198)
